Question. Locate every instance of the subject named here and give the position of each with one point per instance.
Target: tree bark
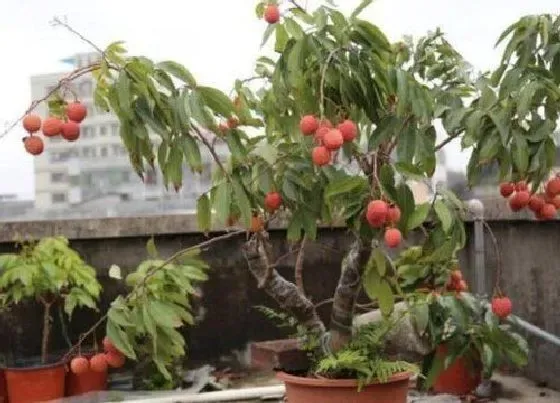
(46, 332)
(346, 294)
(285, 293)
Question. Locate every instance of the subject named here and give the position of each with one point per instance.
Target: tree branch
(447, 141)
(296, 5)
(345, 295)
(298, 270)
(285, 293)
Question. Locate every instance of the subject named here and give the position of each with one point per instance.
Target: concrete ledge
(95, 228)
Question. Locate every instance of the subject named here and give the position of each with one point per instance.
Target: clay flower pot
(91, 381)
(35, 383)
(322, 390)
(461, 377)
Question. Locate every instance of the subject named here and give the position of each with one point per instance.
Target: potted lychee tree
(48, 272)
(336, 127)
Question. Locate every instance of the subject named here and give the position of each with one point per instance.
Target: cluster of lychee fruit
(327, 137)
(381, 214)
(544, 205)
(456, 282)
(99, 362)
(232, 123)
(69, 128)
(501, 306)
(272, 13)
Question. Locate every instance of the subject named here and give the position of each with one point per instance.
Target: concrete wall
(530, 255)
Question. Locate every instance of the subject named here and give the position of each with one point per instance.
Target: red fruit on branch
(349, 130)
(52, 127)
(98, 363)
(506, 189)
(553, 187)
(115, 359)
(462, 286)
(521, 186)
(108, 345)
(394, 214)
(272, 14)
(377, 211)
(272, 201)
(321, 156)
(501, 306)
(456, 276)
(233, 122)
(308, 125)
(79, 365)
(547, 212)
(519, 200)
(393, 237)
(333, 139)
(70, 131)
(325, 123)
(33, 145)
(31, 123)
(536, 202)
(320, 134)
(76, 112)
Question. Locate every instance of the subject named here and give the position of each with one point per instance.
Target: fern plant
(363, 358)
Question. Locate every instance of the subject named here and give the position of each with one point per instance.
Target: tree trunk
(46, 332)
(284, 292)
(345, 295)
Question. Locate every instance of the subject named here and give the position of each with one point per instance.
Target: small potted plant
(470, 343)
(51, 273)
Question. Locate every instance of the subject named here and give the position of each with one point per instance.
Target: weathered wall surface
(530, 256)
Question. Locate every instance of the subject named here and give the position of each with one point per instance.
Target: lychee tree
(334, 128)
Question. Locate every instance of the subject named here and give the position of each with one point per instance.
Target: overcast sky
(217, 39)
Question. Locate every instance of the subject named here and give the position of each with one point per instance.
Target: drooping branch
(346, 294)
(285, 293)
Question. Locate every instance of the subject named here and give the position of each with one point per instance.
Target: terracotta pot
(35, 384)
(3, 389)
(90, 381)
(282, 354)
(461, 377)
(314, 390)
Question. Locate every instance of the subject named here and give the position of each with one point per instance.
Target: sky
(218, 40)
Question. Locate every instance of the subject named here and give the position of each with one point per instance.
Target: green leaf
(281, 38)
(406, 147)
(164, 314)
(443, 214)
(380, 262)
(151, 248)
(363, 5)
(371, 281)
(120, 340)
(222, 201)
(192, 153)
(294, 227)
(421, 314)
(179, 71)
(490, 147)
(204, 213)
(385, 298)
(217, 101)
(520, 153)
(418, 217)
(242, 202)
(346, 184)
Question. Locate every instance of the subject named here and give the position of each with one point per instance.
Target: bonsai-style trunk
(46, 331)
(345, 295)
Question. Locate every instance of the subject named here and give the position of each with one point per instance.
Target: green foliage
(362, 358)
(49, 271)
(468, 328)
(147, 321)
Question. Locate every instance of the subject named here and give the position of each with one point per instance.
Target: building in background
(93, 176)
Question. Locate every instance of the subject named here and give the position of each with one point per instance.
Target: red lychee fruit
(349, 130)
(70, 131)
(393, 237)
(536, 202)
(76, 112)
(272, 14)
(115, 359)
(108, 345)
(519, 200)
(52, 127)
(321, 156)
(394, 214)
(98, 363)
(547, 212)
(521, 186)
(333, 139)
(553, 187)
(501, 306)
(33, 145)
(376, 213)
(506, 189)
(308, 125)
(79, 365)
(272, 201)
(31, 123)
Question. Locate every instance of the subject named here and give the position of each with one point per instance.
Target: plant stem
(345, 296)
(298, 271)
(46, 331)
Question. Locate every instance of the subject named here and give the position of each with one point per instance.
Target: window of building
(75, 180)
(57, 177)
(84, 89)
(122, 150)
(116, 149)
(103, 130)
(90, 110)
(125, 176)
(103, 151)
(58, 197)
(87, 131)
(114, 129)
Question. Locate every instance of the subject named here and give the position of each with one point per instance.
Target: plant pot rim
(337, 383)
(36, 367)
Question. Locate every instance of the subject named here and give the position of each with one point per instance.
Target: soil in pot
(90, 381)
(322, 390)
(461, 377)
(28, 383)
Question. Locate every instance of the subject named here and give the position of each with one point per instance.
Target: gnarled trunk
(345, 295)
(285, 293)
